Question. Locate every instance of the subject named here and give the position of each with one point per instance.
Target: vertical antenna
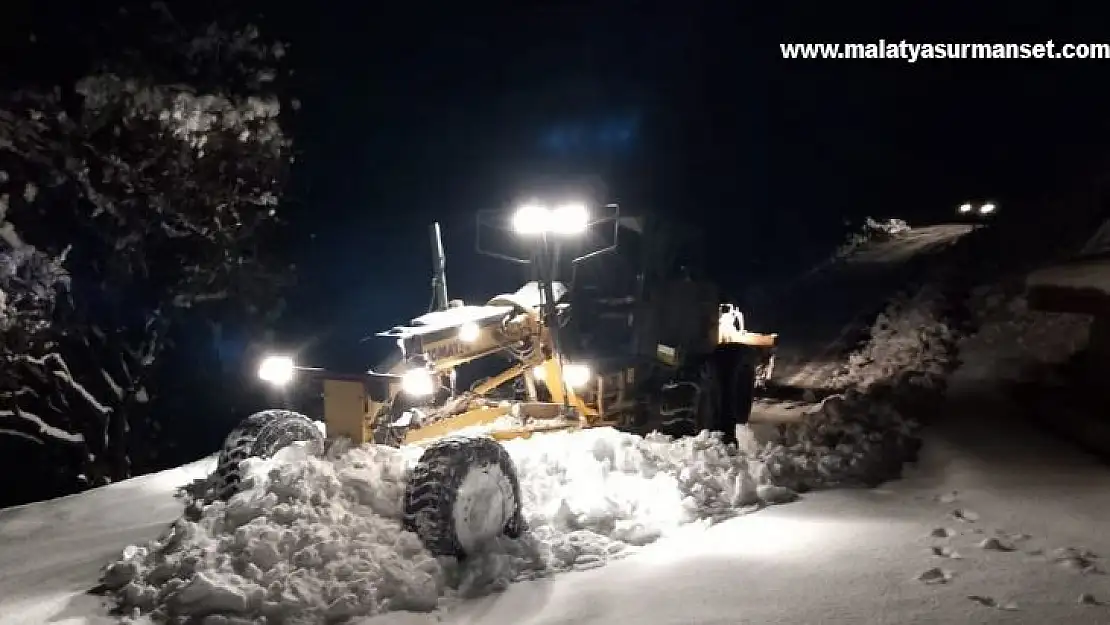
(439, 270)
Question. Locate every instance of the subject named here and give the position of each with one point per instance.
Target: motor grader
(678, 360)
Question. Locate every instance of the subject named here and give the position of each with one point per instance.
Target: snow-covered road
(51, 553)
(847, 556)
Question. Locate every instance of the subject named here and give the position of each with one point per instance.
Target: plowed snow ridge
(314, 539)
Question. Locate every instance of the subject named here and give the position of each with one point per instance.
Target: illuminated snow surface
(318, 539)
(915, 551)
(995, 524)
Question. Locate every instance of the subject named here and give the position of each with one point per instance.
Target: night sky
(684, 108)
(432, 111)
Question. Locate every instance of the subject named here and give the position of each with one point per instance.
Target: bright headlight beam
(987, 208)
(965, 208)
(276, 370)
(565, 220)
(569, 219)
(418, 383)
(530, 219)
(469, 332)
(576, 375)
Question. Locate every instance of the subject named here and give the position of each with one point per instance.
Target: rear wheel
(737, 368)
(708, 413)
(260, 435)
(692, 403)
(462, 494)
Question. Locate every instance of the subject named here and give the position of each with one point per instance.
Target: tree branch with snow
(134, 198)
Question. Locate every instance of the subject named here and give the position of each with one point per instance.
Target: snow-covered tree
(129, 200)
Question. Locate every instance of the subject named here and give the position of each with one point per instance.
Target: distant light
(469, 332)
(965, 208)
(987, 208)
(277, 370)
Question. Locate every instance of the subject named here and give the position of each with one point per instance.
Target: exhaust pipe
(439, 270)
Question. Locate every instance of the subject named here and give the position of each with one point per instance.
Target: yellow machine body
(503, 325)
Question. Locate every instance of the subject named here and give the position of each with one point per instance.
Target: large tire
(260, 435)
(693, 401)
(738, 368)
(708, 405)
(462, 493)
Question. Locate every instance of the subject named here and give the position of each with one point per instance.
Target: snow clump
(864, 434)
(312, 539)
(911, 341)
(873, 230)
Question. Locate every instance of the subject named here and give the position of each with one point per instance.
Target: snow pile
(1011, 338)
(873, 230)
(320, 540)
(601, 486)
(865, 434)
(910, 342)
(852, 438)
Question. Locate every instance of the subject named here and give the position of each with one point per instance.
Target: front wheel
(260, 435)
(462, 494)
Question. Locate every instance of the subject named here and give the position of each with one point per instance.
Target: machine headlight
(418, 383)
(276, 370)
(469, 332)
(987, 208)
(564, 220)
(530, 219)
(574, 375)
(965, 208)
(569, 219)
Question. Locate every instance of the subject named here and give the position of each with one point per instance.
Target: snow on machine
(639, 351)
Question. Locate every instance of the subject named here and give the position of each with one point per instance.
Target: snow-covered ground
(994, 525)
(52, 552)
(314, 539)
(856, 556)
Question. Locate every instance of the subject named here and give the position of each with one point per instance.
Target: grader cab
(676, 360)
